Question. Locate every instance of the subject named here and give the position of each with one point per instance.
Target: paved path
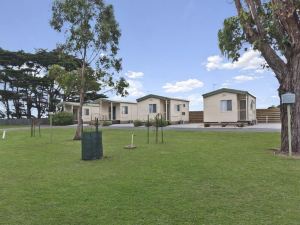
(270, 127)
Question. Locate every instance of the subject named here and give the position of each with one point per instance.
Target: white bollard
(4, 134)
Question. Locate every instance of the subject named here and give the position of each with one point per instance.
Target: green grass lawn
(194, 178)
(13, 126)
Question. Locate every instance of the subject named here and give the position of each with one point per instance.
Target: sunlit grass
(194, 178)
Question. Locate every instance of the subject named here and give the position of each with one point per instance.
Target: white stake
(132, 139)
(3, 135)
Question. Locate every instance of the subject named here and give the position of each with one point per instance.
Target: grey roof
(227, 90)
(76, 103)
(113, 101)
(159, 97)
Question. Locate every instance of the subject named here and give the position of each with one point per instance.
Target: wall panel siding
(212, 108)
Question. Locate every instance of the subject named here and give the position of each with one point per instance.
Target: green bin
(91, 145)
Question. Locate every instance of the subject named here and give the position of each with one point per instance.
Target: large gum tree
(92, 35)
(273, 28)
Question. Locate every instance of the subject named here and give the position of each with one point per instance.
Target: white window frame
(125, 109)
(86, 112)
(225, 106)
(151, 108)
(252, 104)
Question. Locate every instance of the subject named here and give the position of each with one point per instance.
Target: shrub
(149, 123)
(106, 123)
(137, 123)
(163, 123)
(62, 118)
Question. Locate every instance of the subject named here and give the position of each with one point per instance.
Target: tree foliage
(24, 82)
(92, 35)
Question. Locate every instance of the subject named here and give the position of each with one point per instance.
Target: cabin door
(113, 113)
(75, 114)
(243, 109)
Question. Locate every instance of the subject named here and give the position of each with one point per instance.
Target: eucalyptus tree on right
(273, 28)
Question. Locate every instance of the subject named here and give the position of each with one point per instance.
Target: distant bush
(62, 119)
(206, 125)
(159, 123)
(138, 123)
(106, 123)
(149, 123)
(163, 123)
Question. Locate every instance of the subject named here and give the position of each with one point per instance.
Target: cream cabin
(173, 110)
(102, 109)
(229, 106)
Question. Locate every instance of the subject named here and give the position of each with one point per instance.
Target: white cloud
(134, 75)
(250, 60)
(214, 62)
(135, 88)
(226, 84)
(245, 78)
(183, 86)
(196, 101)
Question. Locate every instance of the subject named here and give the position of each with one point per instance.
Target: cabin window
(152, 108)
(124, 109)
(86, 112)
(226, 105)
(252, 105)
(177, 107)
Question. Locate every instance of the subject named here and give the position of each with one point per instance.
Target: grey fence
(43, 121)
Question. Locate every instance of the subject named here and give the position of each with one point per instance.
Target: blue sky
(169, 47)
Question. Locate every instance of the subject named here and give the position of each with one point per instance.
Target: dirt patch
(277, 152)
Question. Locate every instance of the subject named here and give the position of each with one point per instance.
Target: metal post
(148, 127)
(132, 140)
(166, 110)
(111, 111)
(97, 124)
(51, 133)
(162, 129)
(39, 128)
(156, 128)
(289, 129)
(31, 128)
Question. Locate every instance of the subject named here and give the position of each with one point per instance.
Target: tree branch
(286, 13)
(254, 36)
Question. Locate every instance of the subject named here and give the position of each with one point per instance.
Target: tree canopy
(25, 84)
(92, 35)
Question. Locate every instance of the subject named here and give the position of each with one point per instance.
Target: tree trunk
(7, 108)
(6, 102)
(79, 129)
(29, 105)
(291, 83)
